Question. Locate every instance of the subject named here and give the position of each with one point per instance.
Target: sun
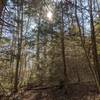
(49, 15)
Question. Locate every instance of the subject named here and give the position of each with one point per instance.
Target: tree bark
(19, 49)
(63, 46)
(93, 39)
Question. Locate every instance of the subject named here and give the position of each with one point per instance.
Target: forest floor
(84, 91)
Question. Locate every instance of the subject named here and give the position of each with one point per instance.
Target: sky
(49, 15)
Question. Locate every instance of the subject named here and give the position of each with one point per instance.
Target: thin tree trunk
(93, 39)
(1, 6)
(19, 49)
(82, 42)
(38, 51)
(63, 46)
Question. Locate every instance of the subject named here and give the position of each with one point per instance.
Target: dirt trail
(74, 92)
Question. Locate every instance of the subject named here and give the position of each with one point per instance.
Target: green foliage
(97, 28)
(74, 30)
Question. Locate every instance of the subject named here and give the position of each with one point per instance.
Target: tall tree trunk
(82, 42)
(63, 46)
(1, 22)
(93, 39)
(19, 48)
(38, 51)
(1, 6)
